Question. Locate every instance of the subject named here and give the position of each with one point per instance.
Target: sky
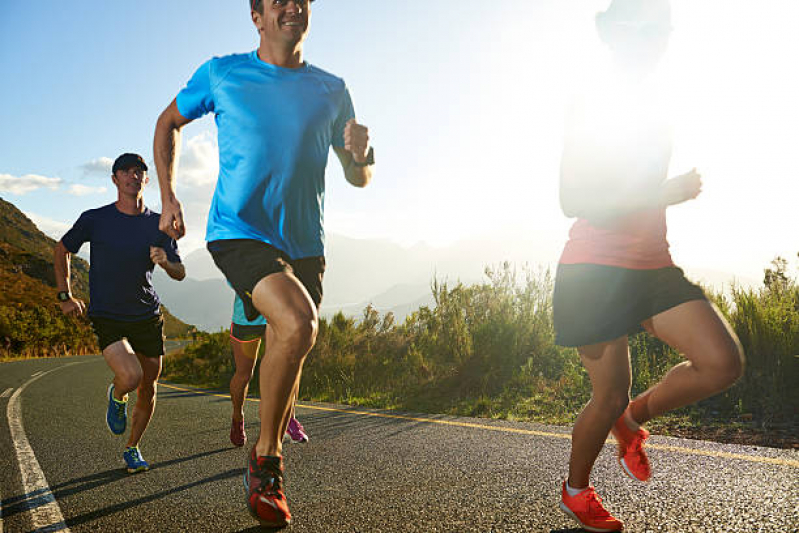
(465, 101)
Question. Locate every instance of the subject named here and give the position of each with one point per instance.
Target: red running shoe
(586, 508)
(632, 457)
(237, 434)
(265, 499)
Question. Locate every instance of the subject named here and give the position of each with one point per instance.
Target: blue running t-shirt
(120, 271)
(276, 127)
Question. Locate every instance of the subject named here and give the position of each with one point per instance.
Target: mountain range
(360, 272)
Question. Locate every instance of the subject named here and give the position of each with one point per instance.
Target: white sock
(572, 491)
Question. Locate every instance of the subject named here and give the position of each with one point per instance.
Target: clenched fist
(356, 140)
(73, 307)
(158, 256)
(682, 188)
(171, 221)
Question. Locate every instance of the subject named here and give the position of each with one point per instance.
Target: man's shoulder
(221, 65)
(152, 218)
(231, 59)
(325, 75)
(149, 213)
(99, 212)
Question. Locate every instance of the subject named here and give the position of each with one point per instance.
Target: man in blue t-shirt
(277, 118)
(124, 309)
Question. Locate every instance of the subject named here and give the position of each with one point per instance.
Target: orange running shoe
(632, 457)
(586, 508)
(263, 480)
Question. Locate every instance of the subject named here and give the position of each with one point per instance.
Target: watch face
(63, 296)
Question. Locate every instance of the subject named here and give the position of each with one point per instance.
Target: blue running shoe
(117, 415)
(135, 461)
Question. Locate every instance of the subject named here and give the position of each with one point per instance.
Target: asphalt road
(362, 471)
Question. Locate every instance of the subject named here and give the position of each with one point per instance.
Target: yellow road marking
(678, 449)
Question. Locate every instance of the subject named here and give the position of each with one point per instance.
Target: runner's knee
(730, 368)
(299, 330)
(614, 403)
(147, 390)
(129, 379)
(242, 376)
(722, 367)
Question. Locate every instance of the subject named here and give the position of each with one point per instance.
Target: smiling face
(130, 181)
(283, 22)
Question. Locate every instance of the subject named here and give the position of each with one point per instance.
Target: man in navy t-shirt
(124, 309)
(277, 117)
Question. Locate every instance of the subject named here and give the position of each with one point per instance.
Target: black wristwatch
(64, 296)
(370, 159)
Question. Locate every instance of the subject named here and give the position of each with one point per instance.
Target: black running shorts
(598, 303)
(245, 262)
(247, 332)
(146, 337)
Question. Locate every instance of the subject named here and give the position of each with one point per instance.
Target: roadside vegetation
(31, 329)
(38, 331)
(488, 350)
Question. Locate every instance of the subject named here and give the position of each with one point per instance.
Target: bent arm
(61, 264)
(166, 147)
(175, 271)
(356, 175)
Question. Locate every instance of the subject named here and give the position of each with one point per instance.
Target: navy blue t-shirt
(120, 273)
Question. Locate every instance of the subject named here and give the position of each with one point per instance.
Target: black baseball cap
(126, 161)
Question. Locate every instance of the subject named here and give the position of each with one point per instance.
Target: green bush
(39, 331)
(488, 350)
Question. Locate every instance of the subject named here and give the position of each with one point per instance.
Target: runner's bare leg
(293, 324)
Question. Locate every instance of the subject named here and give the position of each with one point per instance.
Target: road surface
(362, 471)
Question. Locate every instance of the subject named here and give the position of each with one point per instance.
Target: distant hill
(207, 304)
(30, 318)
(174, 327)
(26, 257)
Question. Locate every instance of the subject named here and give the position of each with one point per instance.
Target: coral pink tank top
(638, 242)
(629, 132)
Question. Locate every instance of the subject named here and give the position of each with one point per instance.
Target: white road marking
(37, 374)
(5, 394)
(43, 507)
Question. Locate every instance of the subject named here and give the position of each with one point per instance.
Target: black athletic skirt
(598, 303)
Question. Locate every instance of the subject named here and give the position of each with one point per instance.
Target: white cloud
(76, 189)
(197, 174)
(51, 228)
(101, 165)
(199, 161)
(27, 183)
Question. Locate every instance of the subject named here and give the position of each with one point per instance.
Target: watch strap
(370, 159)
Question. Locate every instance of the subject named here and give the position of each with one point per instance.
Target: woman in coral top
(616, 275)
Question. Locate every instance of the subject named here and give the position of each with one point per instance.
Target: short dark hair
(257, 5)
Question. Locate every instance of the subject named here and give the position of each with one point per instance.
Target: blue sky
(464, 99)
